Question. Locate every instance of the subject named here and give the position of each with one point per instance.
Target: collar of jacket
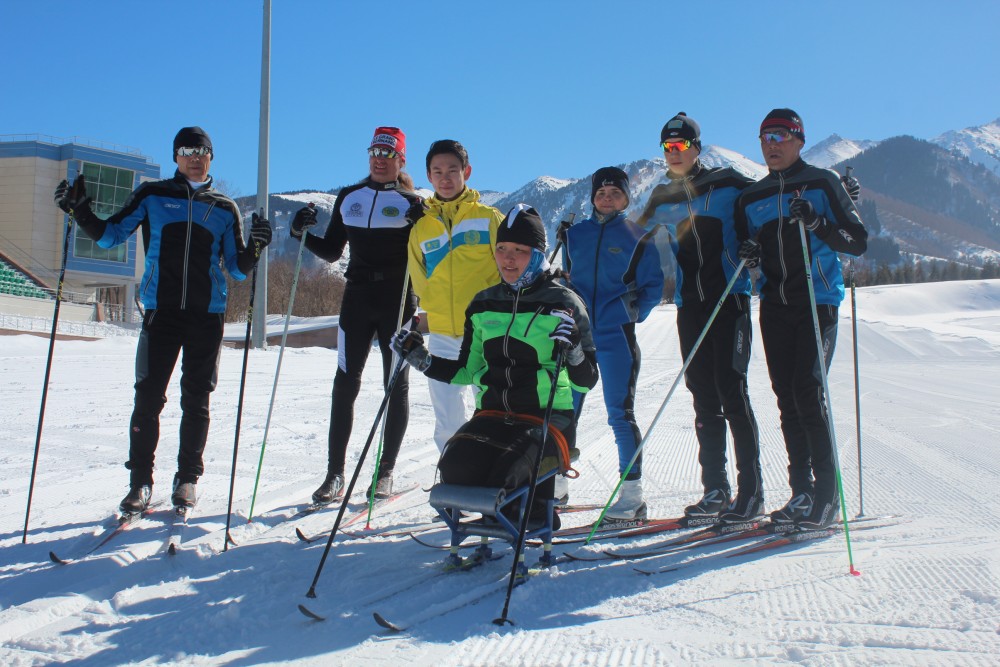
(392, 185)
(543, 277)
(182, 179)
(796, 167)
(617, 219)
(435, 206)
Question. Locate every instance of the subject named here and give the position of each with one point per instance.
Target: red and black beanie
(787, 120)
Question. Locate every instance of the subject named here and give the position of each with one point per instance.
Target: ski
(123, 523)
(178, 522)
(356, 516)
(773, 540)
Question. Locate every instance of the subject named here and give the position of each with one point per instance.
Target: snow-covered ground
(928, 593)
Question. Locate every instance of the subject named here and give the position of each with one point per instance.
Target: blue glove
(410, 346)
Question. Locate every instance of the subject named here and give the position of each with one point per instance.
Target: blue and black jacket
(762, 212)
(697, 213)
(185, 232)
(615, 268)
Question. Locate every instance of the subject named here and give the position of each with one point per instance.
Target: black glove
(305, 218)
(853, 187)
(749, 252)
(410, 346)
(561, 230)
(566, 337)
(70, 199)
(802, 209)
(260, 232)
(415, 212)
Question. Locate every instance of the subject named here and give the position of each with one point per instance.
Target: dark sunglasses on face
(378, 151)
(188, 151)
(678, 146)
(779, 137)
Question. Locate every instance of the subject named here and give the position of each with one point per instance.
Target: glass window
(109, 188)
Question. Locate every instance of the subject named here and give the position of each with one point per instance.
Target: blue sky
(544, 87)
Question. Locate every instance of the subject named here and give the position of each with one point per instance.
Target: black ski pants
(369, 311)
(789, 338)
(167, 333)
(717, 379)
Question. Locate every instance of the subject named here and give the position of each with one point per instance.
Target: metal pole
(260, 305)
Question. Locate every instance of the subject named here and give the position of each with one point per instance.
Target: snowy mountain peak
(835, 149)
(979, 144)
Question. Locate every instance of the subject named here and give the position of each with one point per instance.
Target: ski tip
(308, 613)
(172, 549)
(387, 624)
(56, 559)
(503, 620)
(302, 536)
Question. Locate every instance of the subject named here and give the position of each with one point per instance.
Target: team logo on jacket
(614, 251)
(356, 210)
(432, 245)
(472, 237)
(390, 212)
(169, 205)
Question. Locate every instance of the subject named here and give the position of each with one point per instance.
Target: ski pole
(670, 393)
(354, 478)
(239, 403)
(381, 437)
(48, 370)
(277, 370)
(857, 392)
(565, 224)
(523, 527)
(821, 362)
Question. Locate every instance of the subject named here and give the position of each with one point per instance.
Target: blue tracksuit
(615, 268)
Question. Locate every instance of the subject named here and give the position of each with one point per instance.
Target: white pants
(450, 411)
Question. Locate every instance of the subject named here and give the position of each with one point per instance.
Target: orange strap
(561, 444)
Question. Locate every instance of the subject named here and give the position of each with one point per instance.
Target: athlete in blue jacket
(768, 216)
(696, 209)
(615, 267)
(187, 228)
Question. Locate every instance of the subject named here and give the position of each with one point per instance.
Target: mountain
(835, 149)
(980, 145)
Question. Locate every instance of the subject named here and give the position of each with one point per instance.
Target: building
(32, 226)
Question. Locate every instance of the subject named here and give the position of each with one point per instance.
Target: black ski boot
(331, 488)
(185, 493)
(746, 507)
(713, 502)
(797, 508)
(383, 487)
(137, 500)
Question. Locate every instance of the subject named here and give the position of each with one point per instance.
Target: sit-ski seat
(453, 500)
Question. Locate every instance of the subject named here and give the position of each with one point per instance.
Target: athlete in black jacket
(371, 217)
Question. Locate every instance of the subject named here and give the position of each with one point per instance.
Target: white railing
(28, 323)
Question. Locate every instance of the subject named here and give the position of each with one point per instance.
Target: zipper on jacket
(187, 247)
(504, 395)
(781, 242)
(697, 240)
(597, 255)
(371, 211)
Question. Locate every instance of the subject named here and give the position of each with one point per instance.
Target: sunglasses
(378, 151)
(187, 151)
(775, 137)
(676, 146)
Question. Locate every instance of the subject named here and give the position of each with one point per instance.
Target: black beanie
(609, 176)
(191, 137)
(786, 119)
(523, 225)
(682, 127)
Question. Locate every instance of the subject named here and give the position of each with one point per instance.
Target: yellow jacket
(451, 258)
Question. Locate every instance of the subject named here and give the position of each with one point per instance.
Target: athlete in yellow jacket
(451, 260)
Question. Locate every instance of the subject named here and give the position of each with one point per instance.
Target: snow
(834, 150)
(928, 593)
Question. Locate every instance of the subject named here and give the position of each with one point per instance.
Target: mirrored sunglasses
(188, 151)
(775, 137)
(678, 146)
(379, 151)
